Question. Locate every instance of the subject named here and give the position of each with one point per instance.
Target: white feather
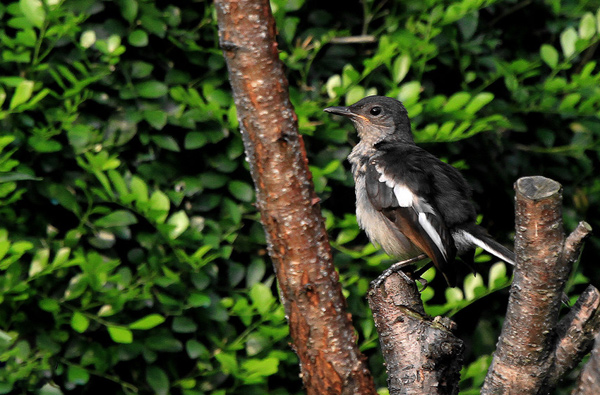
(430, 230)
(464, 240)
(404, 195)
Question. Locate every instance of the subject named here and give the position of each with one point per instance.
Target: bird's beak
(345, 112)
(338, 110)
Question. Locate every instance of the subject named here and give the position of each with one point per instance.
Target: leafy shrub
(131, 255)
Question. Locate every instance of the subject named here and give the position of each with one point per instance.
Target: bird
(409, 202)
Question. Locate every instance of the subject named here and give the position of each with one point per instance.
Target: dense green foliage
(131, 256)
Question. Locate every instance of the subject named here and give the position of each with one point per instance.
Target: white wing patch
(435, 236)
(404, 195)
(407, 198)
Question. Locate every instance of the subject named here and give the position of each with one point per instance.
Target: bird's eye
(375, 110)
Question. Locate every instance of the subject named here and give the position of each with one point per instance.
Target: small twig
(363, 39)
(574, 242)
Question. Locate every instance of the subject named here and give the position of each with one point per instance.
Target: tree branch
(526, 344)
(422, 356)
(320, 327)
(575, 334)
(589, 379)
(534, 350)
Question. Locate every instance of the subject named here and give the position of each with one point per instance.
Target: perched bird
(407, 200)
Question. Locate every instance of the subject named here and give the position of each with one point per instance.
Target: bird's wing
(398, 197)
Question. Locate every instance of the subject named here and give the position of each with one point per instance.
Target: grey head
(377, 118)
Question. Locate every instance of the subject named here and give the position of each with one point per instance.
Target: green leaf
(33, 11)
(497, 275)
(260, 367)
(568, 38)
(164, 343)
(157, 119)
(335, 81)
(147, 322)
(77, 375)
(228, 362)
(549, 55)
(180, 222)
(400, 67)
(117, 218)
(151, 89)
(454, 295)
(184, 325)
(197, 299)
(231, 209)
(113, 43)
(473, 286)
(166, 142)
(262, 298)
(158, 380)
(457, 101)
(120, 335)
(41, 144)
(129, 9)
(87, 39)
(569, 102)
(49, 305)
(141, 69)
(478, 102)
(79, 322)
(139, 189)
(587, 26)
(39, 261)
(241, 191)
(354, 94)
(409, 92)
(2, 96)
(22, 93)
(256, 343)
(195, 349)
(119, 183)
(194, 140)
(159, 206)
(138, 38)
(256, 271)
(213, 180)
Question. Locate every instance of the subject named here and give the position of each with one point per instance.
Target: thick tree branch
(321, 330)
(534, 350)
(523, 355)
(422, 356)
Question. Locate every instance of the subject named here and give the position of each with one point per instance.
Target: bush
(131, 255)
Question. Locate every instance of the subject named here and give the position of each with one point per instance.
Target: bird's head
(377, 118)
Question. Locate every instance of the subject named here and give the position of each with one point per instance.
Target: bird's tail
(480, 238)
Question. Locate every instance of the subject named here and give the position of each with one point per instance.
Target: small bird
(407, 200)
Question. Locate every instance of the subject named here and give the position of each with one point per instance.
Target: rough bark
(421, 354)
(575, 334)
(589, 379)
(321, 329)
(534, 350)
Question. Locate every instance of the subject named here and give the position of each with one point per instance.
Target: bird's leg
(395, 268)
